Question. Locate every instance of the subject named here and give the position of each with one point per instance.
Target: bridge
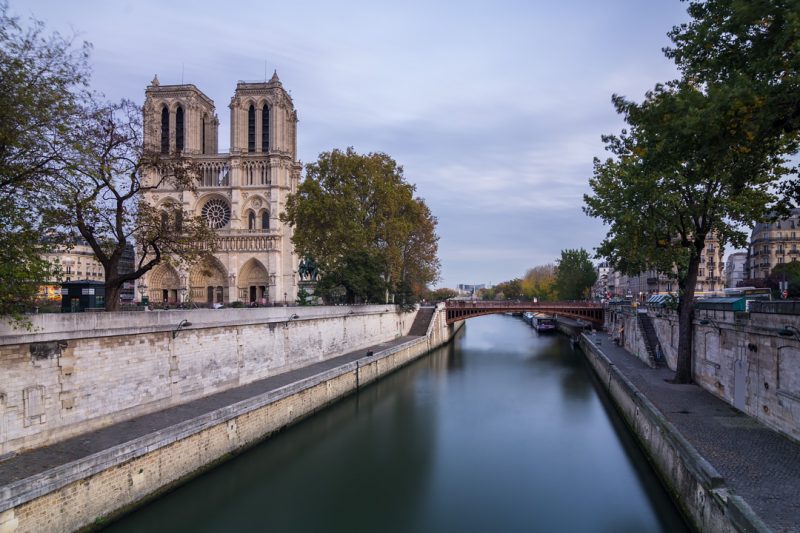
(463, 309)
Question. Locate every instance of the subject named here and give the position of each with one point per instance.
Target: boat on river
(542, 322)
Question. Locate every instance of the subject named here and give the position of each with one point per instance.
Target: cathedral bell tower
(240, 194)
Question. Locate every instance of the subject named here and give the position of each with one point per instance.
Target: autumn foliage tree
(359, 219)
(539, 283)
(441, 294)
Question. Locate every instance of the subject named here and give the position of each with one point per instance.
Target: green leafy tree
(357, 278)
(22, 269)
(486, 294)
(575, 275)
(750, 46)
(508, 290)
(44, 83)
(303, 297)
(747, 53)
(705, 153)
(354, 207)
(683, 170)
(789, 272)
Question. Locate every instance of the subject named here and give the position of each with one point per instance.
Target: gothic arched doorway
(208, 282)
(254, 283)
(164, 284)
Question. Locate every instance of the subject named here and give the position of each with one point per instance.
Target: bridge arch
(457, 310)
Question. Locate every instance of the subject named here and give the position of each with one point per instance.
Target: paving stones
(759, 464)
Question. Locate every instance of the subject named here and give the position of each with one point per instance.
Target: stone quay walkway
(759, 464)
(42, 459)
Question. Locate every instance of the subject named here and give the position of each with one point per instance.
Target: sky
(494, 109)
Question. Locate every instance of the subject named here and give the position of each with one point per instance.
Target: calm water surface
(502, 431)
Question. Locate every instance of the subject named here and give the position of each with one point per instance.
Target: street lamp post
(143, 293)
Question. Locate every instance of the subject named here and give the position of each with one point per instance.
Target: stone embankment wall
(623, 325)
(741, 358)
(79, 372)
(699, 488)
(77, 494)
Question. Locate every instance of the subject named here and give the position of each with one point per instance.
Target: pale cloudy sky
(495, 109)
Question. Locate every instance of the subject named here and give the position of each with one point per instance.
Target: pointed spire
(274, 78)
(155, 82)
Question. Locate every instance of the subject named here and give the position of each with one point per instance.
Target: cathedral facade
(239, 194)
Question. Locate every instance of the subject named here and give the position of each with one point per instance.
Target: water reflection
(501, 431)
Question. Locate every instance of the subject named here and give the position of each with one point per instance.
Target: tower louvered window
(251, 129)
(265, 128)
(203, 133)
(179, 129)
(164, 131)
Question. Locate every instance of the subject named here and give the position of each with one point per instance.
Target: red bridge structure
(463, 309)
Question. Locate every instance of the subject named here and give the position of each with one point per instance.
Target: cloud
(495, 113)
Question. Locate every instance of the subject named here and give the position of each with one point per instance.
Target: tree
(99, 194)
(419, 262)
(487, 293)
(789, 272)
(539, 283)
(575, 275)
(748, 45)
(359, 274)
(441, 294)
(508, 290)
(750, 51)
(44, 82)
(354, 207)
(303, 297)
(22, 269)
(685, 169)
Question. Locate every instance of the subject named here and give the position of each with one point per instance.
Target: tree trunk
(112, 295)
(113, 284)
(684, 365)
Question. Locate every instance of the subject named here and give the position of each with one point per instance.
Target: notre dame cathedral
(240, 194)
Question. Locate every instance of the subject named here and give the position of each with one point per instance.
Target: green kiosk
(78, 296)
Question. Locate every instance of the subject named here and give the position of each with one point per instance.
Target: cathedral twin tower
(240, 194)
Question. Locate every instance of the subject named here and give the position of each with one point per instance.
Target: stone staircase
(420, 326)
(654, 350)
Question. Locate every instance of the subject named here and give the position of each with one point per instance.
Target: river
(503, 430)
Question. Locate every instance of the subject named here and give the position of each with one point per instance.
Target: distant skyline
(495, 110)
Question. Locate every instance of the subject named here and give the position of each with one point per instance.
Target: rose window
(216, 213)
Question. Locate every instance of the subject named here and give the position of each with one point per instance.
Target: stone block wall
(75, 495)
(78, 372)
(743, 359)
(748, 363)
(624, 325)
